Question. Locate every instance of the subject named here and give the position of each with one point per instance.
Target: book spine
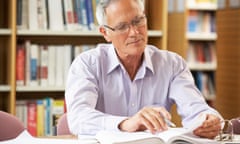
(67, 61)
(59, 66)
(78, 14)
(69, 16)
(33, 15)
(44, 66)
(55, 15)
(40, 118)
(48, 116)
(19, 13)
(51, 65)
(25, 15)
(34, 65)
(41, 13)
(83, 11)
(27, 62)
(20, 65)
(32, 118)
(90, 19)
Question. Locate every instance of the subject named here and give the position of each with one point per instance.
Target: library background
(39, 39)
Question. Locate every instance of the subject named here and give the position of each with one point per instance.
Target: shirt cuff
(112, 122)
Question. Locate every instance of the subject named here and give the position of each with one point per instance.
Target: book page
(191, 139)
(171, 132)
(118, 137)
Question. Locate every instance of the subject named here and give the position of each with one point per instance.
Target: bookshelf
(7, 55)
(11, 34)
(228, 44)
(191, 34)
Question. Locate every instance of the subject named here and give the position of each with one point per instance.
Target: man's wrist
(121, 125)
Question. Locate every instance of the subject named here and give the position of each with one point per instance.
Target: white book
(77, 50)
(59, 66)
(67, 61)
(33, 15)
(21, 111)
(69, 15)
(43, 65)
(42, 14)
(170, 136)
(27, 64)
(51, 65)
(55, 15)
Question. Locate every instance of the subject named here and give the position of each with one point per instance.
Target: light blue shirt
(100, 94)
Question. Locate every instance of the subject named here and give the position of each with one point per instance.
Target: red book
(32, 118)
(199, 52)
(20, 65)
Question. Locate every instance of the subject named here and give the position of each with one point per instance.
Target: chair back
(62, 126)
(10, 126)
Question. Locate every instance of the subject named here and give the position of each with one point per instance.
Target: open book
(171, 136)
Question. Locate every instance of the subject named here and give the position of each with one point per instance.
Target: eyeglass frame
(230, 129)
(128, 25)
(226, 137)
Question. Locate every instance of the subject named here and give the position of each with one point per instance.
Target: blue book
(48, 116)
(77, 11)
(198, 79)
(83, 11)
(90, 18)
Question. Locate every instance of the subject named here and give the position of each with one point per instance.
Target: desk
(25, 137)
(82, 140)
(235, 141)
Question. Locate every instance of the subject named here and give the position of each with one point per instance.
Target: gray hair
(101, 10)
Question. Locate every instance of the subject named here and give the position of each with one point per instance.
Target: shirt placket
(133, 99)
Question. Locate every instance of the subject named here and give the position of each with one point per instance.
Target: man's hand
(210, 127)
(148, 118)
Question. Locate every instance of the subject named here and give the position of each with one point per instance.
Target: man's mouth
(136, 41)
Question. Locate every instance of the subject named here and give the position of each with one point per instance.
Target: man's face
(129, 33)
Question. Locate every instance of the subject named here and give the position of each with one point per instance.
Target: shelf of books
(192, 34)
(228, 69)
(38, 45)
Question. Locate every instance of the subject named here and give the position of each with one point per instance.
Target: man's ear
(105, 34)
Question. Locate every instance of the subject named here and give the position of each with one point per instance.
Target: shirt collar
(114, 61)
(147, 58)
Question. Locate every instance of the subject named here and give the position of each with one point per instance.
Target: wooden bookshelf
(228, 69)
(181, 37)
(7, 55)
(186, 22)
(156, 11)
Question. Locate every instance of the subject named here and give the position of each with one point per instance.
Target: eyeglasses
(124, 27)
(229, 128)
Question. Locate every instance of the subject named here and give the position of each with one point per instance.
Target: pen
(168, 122)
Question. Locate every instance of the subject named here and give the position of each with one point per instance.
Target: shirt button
(133, 104)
